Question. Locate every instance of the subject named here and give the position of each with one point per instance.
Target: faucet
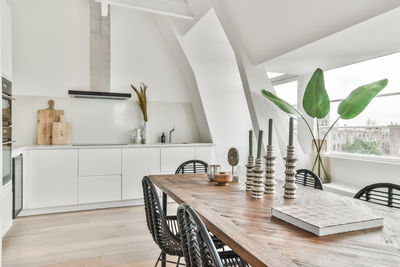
(170, 135)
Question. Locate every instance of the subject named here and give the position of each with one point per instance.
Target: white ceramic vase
(145, 133)
(138, 138)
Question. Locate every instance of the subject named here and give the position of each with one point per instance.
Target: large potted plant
(316, 104)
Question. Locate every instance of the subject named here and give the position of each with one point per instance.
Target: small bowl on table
(222, 178)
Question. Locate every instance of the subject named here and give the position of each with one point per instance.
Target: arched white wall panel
(213, 62)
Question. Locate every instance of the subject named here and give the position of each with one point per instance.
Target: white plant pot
(145, 133)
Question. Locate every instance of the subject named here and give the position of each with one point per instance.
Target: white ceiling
(270, 28)
(369, 39)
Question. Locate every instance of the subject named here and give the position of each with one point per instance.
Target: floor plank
(110, 237)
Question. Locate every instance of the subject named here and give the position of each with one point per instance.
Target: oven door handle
(9, 142)
(5, 96)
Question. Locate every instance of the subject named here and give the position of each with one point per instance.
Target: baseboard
(93, 206)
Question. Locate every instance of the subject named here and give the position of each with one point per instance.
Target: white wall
(105, 121)
(51, 55)
(140, 54)
(213, 62)
(50, 46)
(357, 173)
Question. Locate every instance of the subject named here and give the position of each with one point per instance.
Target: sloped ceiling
(369, 39)
(269, 28)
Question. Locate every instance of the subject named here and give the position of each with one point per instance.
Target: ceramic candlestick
(269, 184)
(290, 186)
(249, 173)
(257, 190)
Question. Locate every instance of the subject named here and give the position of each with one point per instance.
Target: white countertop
(19, 150)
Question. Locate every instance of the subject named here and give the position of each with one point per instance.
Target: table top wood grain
(246, 225)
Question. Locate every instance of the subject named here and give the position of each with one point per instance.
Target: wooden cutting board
(46, 117)
(61, 132)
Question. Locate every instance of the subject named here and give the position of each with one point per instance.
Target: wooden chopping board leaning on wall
(46, 117)
(61, 132)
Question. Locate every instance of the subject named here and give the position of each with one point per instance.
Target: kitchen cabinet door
(52, 178)
(95, 189)
(173, 157)
(99, 161)
(6, 197)
(136, 163)
(6, 40)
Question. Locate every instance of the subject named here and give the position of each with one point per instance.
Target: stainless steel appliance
(17, 184)
(7, 128)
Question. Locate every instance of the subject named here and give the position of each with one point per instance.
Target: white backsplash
(105, 121)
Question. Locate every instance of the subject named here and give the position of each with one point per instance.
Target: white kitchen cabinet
(99, 161)
(6, 40)
(136, 163)
(172, 157)
(94, 189)
(204, 153)
(51, 179)
(6, 198)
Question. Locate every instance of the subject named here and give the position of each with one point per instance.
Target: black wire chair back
(157, 223)
(192, 166)
(385, 194)
(198, 247)
(308, 178)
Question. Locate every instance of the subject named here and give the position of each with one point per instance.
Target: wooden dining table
(247, 227)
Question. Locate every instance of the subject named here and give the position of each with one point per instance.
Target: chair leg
(179, 259)
(163, 259)
(159, 257)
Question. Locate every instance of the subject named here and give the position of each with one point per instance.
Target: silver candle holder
(249, 173)
(269, 184)
(257, 190)
(290, 179)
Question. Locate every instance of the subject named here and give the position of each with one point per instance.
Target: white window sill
(367, 158)
(341, 189)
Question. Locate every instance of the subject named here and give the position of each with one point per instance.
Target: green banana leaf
(316, 100)
(282, 104)
(359, 99)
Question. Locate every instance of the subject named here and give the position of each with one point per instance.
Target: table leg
(164, 203)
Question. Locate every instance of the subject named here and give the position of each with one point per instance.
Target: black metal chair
(198, 247)
(197, 166)
(308, 178)
(192, 166)
(164, 229)
(385, 194)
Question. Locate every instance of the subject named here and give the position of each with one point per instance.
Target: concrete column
(99, 49)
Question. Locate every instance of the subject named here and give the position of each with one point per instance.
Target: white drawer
(99, 161)
(95, 189)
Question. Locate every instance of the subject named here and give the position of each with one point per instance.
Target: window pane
(287, 91)
(341, 81)
(377, 129)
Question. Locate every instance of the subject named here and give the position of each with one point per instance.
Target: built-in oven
(7, 128)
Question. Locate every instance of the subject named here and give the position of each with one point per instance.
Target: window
(287, 91)
(285, 86)
(376, 130)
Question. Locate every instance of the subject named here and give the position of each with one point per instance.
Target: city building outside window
(376, 131)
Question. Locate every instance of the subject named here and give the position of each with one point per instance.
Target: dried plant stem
(142, 98)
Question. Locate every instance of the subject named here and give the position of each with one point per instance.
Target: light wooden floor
(111, 237)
